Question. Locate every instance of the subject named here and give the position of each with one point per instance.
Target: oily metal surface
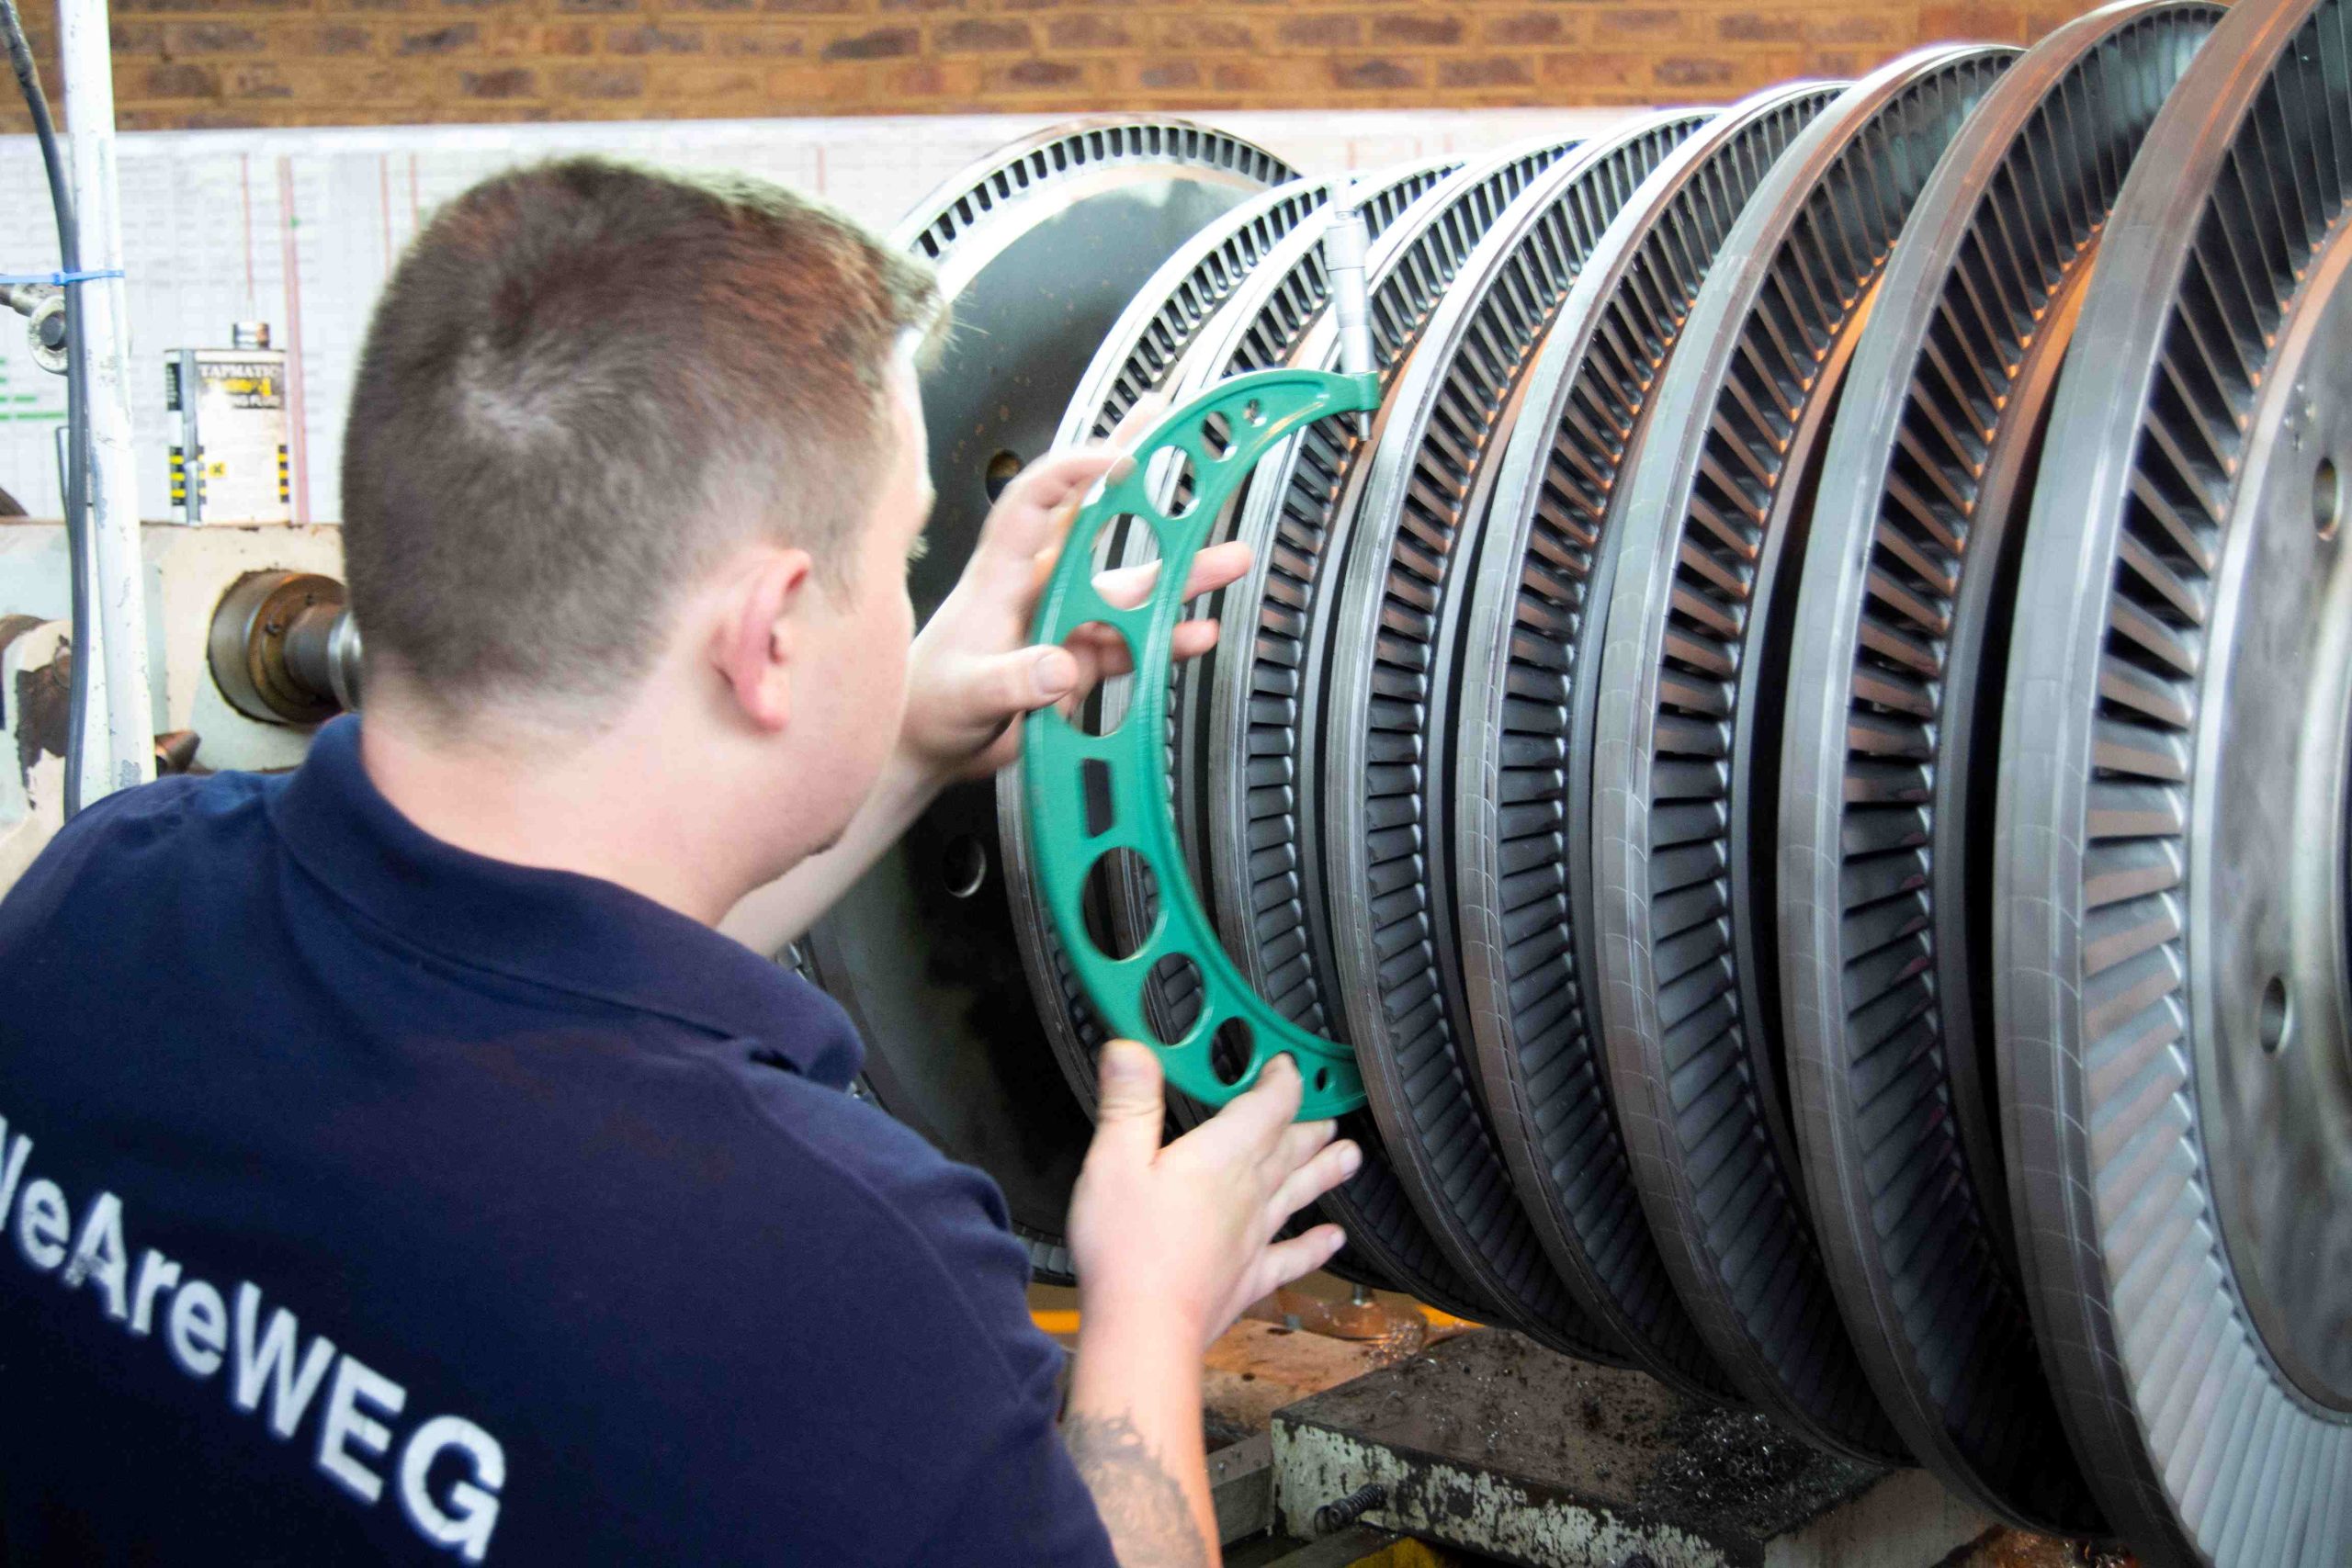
(2171, 868)
(1687, 746)
(1523, 742)
(1039, 249)
(1263, 889)
(1892, 744)
(1383, 658)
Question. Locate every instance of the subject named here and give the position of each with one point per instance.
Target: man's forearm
(1133, 1425)
(783, 912)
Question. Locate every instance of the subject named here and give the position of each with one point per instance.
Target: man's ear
(759, 632)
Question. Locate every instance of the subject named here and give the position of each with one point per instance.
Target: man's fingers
(1301, 1141)
(1137, 422)
(1287, 1262)
(1035, 508)
(1125, 587)
(1317, 1176)
(989, 692)
(1129, 1118)
(1216, 566)
(1256, 1119)
(1192, 638)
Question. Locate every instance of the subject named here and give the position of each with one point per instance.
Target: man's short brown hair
(583, 383)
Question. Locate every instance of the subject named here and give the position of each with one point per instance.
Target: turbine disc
(1892, 744)
(1246, 725)
(1380, 672)
(1145, 353)
(2171, 872)
(1523, 743)
(1687, 746)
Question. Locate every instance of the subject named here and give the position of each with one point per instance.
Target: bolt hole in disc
(2276, 1019)
(2327, 498)
(1003, 469)
(963, 866)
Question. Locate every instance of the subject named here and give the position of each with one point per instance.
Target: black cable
(77, 395)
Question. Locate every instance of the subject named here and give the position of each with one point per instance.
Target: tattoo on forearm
(1143, 1506)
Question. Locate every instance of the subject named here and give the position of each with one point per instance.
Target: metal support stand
(1488, 1443)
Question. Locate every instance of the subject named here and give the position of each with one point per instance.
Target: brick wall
(275, 62)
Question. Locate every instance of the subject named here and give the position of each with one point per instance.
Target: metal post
(100, 315)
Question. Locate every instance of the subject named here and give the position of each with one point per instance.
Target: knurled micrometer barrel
(1344, 245)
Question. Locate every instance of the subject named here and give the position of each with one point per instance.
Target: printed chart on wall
(298, 229)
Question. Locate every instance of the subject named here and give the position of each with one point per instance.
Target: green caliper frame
(1128, 767)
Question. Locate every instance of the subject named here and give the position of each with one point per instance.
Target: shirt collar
(574, 933)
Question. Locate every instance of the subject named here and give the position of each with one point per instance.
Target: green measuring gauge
(1090, 796)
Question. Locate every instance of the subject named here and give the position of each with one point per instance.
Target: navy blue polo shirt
(362, 1198)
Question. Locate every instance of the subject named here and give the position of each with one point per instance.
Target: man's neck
(604, 805)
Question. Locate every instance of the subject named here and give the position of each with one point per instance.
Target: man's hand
(1187, 1231)
(1171, 1244)
(973, 673)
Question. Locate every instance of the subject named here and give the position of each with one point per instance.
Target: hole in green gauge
(1174, 975)
(1230, 1049)
(1176, 995)
(1172, 481)
(2276, 1019)
(1099, 896)
(1104, 647)
(1003, 469)
(1254, 411)
(1217, 436)
(1123, 541)
(963, 866)
(1094, 791)
(1322, 1078)
(1125, 552)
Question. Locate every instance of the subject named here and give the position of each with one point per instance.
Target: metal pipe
(322, 654)
(100, 320)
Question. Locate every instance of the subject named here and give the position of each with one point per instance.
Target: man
(396, 1163)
